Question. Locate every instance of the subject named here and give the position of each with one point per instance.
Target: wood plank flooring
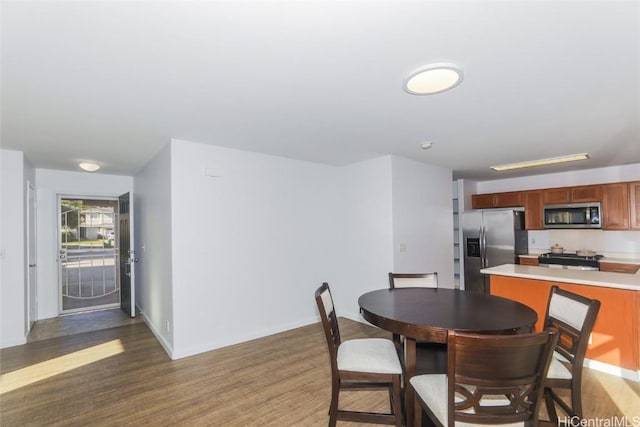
(122, 376)
(72, 324)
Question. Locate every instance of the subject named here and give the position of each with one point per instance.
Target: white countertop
(634, 261)
(579, 277)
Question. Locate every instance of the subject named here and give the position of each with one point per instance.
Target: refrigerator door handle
(483, 247)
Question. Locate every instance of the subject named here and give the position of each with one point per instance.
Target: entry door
(87, 254)
(32, 288)
(126, 256)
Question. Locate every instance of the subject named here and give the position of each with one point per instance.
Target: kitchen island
(615, 342)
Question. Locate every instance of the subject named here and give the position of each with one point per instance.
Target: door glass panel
(87, 254)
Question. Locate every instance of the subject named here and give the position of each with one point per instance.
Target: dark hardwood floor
(122, 376)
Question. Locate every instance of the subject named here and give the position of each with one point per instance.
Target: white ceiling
(322, 81)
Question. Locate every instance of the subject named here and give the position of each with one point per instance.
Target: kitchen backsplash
(615, 244)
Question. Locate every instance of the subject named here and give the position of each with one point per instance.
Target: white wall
(252, 243)
(153, 230)
(50, 184)
(249, 246)
(624, 244)
(422, 219)
(234, 257)
(366, 218)
(12, 248)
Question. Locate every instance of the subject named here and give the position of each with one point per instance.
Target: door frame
(32, 256)
(126, 256)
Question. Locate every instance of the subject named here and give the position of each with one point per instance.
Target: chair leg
(333, 408)
(576, 399)
(551, 406)
(396, 404)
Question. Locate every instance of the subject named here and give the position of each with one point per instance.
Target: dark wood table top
(427, 314)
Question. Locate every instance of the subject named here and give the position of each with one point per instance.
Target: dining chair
(573, 316)
(406, 280)
(490, 379)
(431, 357)
(411, 280)
(359, 364)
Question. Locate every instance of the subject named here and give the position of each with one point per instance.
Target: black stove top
(569, 259)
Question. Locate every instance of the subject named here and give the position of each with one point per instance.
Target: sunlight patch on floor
(628, 406)
(49, 368)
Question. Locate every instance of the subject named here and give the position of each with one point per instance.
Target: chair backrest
(329, 319)
(422, 280)
(497, 379)
(573, 316)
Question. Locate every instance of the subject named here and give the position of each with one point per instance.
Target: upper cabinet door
(580, 194)
(615, 206)
(533, 210)
(634, 205)
(482, 201)
(586, 193)
(511, 199)
(556, 196)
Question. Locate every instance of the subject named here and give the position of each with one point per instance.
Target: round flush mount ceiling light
(89, 166)
(433, 78)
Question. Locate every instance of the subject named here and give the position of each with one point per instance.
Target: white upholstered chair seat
(377, 355)
(433, 388)
(557, 370)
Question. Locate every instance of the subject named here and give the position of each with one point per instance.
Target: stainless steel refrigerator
(491, 237)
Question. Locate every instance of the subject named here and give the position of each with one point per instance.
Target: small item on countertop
(585, 252)
(557, 249)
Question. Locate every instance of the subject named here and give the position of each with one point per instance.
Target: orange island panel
(615, 338)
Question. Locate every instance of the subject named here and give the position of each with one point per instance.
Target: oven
(570, 261)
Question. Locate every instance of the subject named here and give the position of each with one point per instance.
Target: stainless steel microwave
(575, 215)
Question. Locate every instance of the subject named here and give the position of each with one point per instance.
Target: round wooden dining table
(427, 314)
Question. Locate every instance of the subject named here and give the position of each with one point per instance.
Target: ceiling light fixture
(542, 162)
(433, 78)
(426, 145)
(89, 166)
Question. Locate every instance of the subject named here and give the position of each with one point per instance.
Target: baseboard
(13, 342)
(165, 345)
(612, 370)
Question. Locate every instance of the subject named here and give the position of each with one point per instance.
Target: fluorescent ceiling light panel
(541, 162)
(89, 166)
(433, 78)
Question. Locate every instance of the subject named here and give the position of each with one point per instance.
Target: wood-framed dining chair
(573, 316)
(411, 280)
(432, 357)
(359, 364)
(491, 379)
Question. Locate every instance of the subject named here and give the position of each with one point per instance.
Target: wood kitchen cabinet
(528, 261)
(533, 210)
(620, 203)
(634, 205)
(615, 206)
(511, 199)
(482, 201)
(579, 194)
(617, 267)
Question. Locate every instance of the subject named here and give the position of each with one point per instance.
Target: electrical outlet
(168, 327)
